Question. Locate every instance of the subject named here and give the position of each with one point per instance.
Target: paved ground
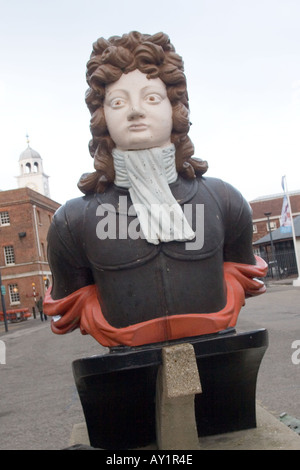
(278, 387)
(38, 400)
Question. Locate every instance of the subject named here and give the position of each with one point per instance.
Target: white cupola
(31, 172)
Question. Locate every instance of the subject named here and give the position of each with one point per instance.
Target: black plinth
(117, 390)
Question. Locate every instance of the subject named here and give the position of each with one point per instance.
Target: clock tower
(31, 172)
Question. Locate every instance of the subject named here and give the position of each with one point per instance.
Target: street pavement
(38, 399)
(278, 310)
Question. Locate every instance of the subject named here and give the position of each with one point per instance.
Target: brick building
(25, 217)
(269, 242)
(272, 205)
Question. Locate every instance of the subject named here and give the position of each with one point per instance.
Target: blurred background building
(273, 242)
(25, 217)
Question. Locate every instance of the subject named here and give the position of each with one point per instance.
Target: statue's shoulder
(217, 184)
(72, 212)
(229, 198)
(219, 188)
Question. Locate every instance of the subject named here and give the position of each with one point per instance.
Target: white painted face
(138, 112)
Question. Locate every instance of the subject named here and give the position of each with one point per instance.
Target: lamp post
(267, 214)
(2, 288)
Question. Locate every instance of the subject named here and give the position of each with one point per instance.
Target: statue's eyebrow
(151, 87)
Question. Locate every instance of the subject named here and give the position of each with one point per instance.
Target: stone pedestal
(136, 397)
(296, 282)
(177, 383)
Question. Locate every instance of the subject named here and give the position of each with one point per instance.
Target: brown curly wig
(156, 57)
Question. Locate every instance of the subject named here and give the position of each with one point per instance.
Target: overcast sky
(242, 62)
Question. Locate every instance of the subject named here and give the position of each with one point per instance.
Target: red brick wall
(273, 205)
(30, 262)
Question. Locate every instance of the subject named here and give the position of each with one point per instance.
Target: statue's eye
(153, 98)
(117, 103)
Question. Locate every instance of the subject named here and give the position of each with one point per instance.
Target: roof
(268, 197)
(13, 197)
(29, 153)
(274, 205)
(278, 235)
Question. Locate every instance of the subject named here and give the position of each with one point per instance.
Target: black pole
(267, 214)
(3, 306)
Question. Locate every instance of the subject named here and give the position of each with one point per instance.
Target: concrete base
(120, 389)
(177, 383)
(296, 282)
(270, 434)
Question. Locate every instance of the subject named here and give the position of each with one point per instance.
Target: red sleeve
(82, 309)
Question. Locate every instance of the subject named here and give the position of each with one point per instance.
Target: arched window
(27, 168)
(35, 167)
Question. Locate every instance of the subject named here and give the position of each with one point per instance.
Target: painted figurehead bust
(154, 251)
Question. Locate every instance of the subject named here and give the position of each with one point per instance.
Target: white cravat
(147, 174)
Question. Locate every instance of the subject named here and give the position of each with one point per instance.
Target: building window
(44, 256)
(39, 217)
(273, 226)
(4, 218)
(9, 255)
(254, 228)
(14, 295)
